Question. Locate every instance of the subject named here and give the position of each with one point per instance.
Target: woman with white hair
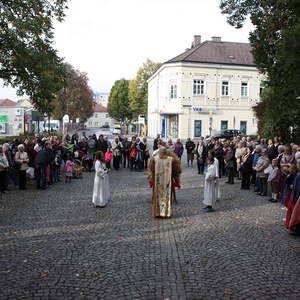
(21, 158)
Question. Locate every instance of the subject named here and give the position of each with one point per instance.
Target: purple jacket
(178, 149)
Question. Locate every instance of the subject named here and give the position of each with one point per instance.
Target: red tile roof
(227, 53)
(99, 108)
(7, 102)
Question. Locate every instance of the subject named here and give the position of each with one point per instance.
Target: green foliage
(276, 44)
(76, 98)
(27, 60)
(118, 102)
(138, 88)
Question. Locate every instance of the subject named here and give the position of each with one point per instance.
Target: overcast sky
(110, 39)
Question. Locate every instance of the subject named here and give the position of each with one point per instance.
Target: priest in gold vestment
(164, 177)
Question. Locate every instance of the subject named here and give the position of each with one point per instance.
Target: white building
(11, 118)
(99, 118)
(208, 88)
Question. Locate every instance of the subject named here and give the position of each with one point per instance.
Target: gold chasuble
(161, 173)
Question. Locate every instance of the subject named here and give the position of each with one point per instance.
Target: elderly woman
(287, 157)
(238, 156)
(21, 158)
(260, 168)
(3, 171)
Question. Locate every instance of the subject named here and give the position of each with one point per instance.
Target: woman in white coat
(101, 193)
(210, 186)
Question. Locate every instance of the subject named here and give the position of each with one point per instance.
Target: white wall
(15, 125)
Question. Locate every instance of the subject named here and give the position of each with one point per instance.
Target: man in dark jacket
(101, 144)
(125, 152)
(41, 162)
(155, 142)
(190, 147)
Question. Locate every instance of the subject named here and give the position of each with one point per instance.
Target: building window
(225, 88)
(243, 127)
(173, 91)
(224, 125)
(244, 89)
(197, 128)
(261, 89)
(198, 87)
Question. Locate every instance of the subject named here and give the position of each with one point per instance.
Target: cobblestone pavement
(56, 245)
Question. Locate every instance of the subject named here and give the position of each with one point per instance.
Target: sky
(111, 39)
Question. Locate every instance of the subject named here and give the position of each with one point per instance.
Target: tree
(138, 88)
(27, 60)
(118, 102)
(275, 43)
(75, 99)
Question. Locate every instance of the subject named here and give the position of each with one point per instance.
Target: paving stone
(55, 245)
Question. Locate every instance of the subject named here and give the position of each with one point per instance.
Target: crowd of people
(49, 159)
(270, 167)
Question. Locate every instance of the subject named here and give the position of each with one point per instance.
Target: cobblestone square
(56, 245)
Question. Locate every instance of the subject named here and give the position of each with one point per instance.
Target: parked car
(116, 130)
(228, 134)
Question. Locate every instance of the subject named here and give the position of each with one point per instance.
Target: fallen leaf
(120, 238)
(228, 292)
(295, 246)
(44, 273)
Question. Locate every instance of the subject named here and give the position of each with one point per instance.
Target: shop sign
(3, 119)
(203, 110)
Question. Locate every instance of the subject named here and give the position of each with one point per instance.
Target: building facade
(99, 118)
(210, 87)
(11, 118)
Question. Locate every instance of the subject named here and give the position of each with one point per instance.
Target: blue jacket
(256, 156)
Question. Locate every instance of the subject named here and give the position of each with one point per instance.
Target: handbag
(17, 165)
(269, 169)
(30, 172)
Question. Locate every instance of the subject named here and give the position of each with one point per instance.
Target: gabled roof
(99, 108)
(7, 102)
(213, 52)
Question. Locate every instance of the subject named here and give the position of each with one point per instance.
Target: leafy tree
(276, 43)
(27, 59)
(118, 102)
(138, 88)
(75, 99)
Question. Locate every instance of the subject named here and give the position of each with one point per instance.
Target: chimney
(216, 38)
(197, 41)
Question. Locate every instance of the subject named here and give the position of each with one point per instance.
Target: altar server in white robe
(101, 193)
(210, 186)
(216, 164)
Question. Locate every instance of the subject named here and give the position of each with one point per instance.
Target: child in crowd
(273, 180)
(132, 155)
(210, 186)
(108, 158)
(69, 169)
